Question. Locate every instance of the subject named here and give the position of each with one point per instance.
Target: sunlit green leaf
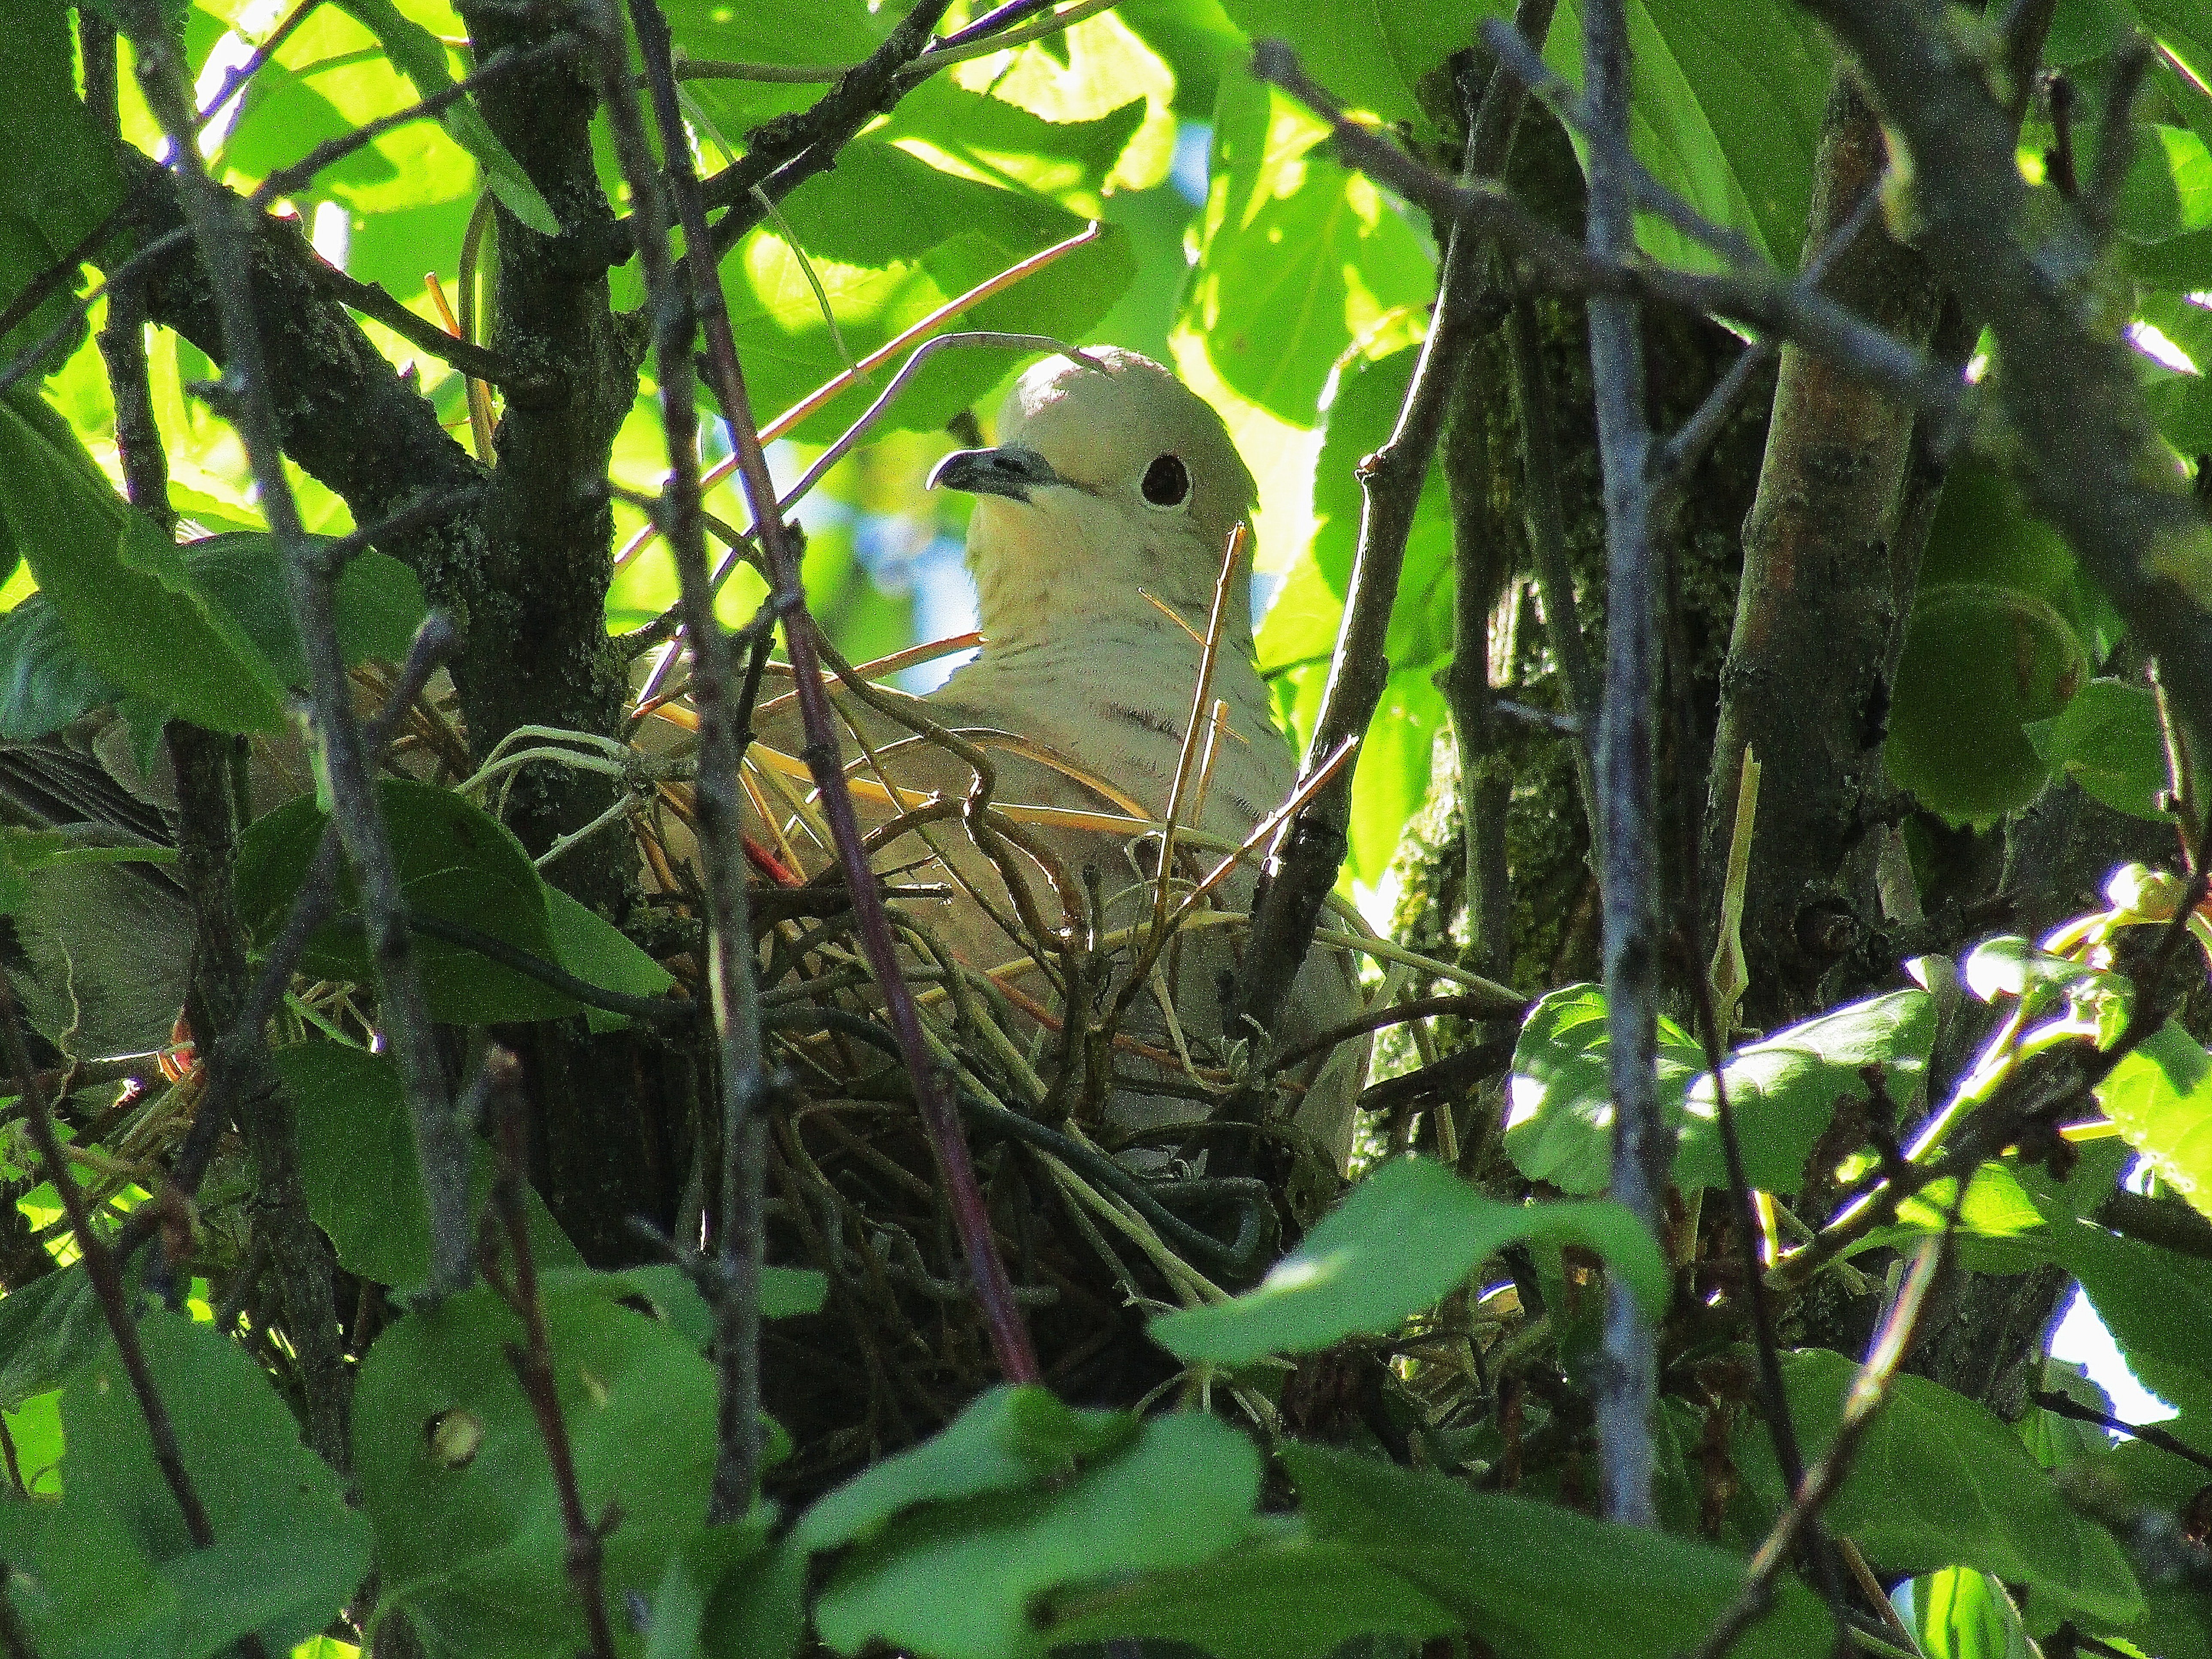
(1941, 1481)
(1558, 1124)
(2160, 1095)
(2108, 740)
(1402, 1238)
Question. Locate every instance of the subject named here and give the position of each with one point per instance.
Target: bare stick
(1010, 1340)
(104, 1269)
(1869, 1392)
(1391, 483)
(219, 224)
(533, 1359)
(717, 793)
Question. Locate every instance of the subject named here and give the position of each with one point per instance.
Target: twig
(233, 1056)
(717, 793)
(1765, 301)
(103, 1267)
(2090, 459)
(478, 362)
(285, 180)
(1391, 483)
(2062, 1405)
(1643, 1141)
(533, 1360)
(781, 161)
(218, 224)
(1010, 1340)
(1869, 1392)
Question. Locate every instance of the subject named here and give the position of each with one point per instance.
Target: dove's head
(1111, 481)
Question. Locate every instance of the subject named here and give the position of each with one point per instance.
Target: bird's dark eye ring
(1167, 482)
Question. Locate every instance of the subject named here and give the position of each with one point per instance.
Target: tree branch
(1390, 484)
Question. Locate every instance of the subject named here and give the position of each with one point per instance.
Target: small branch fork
(104, 1267)
(1390, 481)
(717, 791)
(222, 228)
(533, 1359)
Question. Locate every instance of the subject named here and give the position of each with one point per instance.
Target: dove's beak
(1011, 472)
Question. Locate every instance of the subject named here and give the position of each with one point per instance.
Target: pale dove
(1107, 505)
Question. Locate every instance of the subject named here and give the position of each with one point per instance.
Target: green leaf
(123, 592)
(1010, 1438)
(48, 1328)
(2155, 1304)
(960, 1580)
(2108, 740)
(1402, 1239)
(2160, 1095)
(595, 950)
(379, 600)
(61, 178)
(2168, 189)
(453, 1472)
(1539, 1580)
(2008, 966)
(287, 1552)
(1960, 1613)
(1784, 1089)
(456, 862)
(1316, 1597)
(44, 680)
(420, 57)
(358, 1166)
(876, 232)
(1299, 257)
(1941, 1481)
(1559, 1126)
(1005, 145)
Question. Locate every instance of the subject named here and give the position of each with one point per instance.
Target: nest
(1100, 1225)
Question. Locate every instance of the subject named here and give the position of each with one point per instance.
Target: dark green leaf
(1287, 1597)
(2108, 740)
(61, 178)
(456, 862)
(1402, 1239)
(287, 1553)
(2169, 191)
(1538, 1580)
(1008, 1439)
(48, 1328)
(44, 680)
(960, 1580)
(453, 1472)
(125, 593)
(597, 952)
(358, 1164)
(1941, 1481)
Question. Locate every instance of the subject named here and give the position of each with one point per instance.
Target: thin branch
(223, 231)
(2062, 1405)
(717, 791)
(1391, 483)
(2090, 462)
(783, 157)
(501, 64)
(1643, 1141)
(103, 1266)
(1010, 1340)
(1869, 1392)
(533, 1359)
(1765, 301)
(234, 1055)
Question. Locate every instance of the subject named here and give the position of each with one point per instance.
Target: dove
(1101, 521)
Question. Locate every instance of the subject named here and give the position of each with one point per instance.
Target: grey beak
(1011, 472)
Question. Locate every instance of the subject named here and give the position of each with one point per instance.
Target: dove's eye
(1167, 482)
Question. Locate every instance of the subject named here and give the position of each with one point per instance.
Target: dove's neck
(1116, 696)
